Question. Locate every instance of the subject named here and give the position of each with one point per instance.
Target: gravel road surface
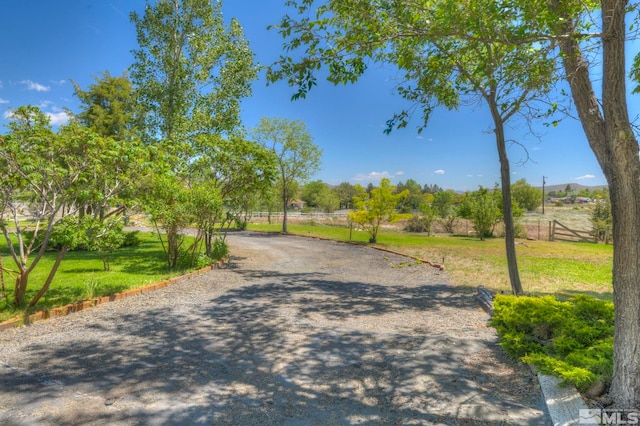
(293, 331)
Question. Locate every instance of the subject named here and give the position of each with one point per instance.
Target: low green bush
(572, 339)
(418, 223)
(131, 239)
(220, 249)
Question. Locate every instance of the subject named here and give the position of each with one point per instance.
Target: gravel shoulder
(292, 331)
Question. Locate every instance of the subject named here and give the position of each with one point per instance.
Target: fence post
(551, 231)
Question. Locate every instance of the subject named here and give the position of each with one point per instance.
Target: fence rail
(300, 214)
(560, 232)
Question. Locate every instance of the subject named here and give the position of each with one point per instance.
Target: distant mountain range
(574, 187)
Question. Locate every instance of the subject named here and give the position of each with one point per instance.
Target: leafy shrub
(219, 250)
(131, 239)
(241, 225)
(418, 223)
(572, 340)
(191, 260)
(519, 230)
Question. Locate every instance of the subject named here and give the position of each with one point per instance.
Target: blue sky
(48, 44)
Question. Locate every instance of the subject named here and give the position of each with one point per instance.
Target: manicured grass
(545, 267)
(81, 275)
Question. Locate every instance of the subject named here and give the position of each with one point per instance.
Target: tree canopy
(297, 157)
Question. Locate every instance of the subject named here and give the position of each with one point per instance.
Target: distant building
(296, 205)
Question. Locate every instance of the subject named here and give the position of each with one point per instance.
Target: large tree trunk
(623, 175)
(507, 209)
(611, 138)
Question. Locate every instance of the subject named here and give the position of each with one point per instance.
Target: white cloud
(585, 177)
(32, 85)
(58, 82)
(469, 175)
(400, 173)
(55, 118)
(439, 172)
(373, 176)
(58, 118)
(3, 101)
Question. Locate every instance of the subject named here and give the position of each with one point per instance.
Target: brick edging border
(86, 304)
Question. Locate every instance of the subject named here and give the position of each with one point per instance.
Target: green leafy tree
(328, 201)
(441, 64)
(50, 176)
(345, 193)
(443, 204)
(526, 196)
(483, 209)
(318, 194)
(297, 157)
(167, 201)
(238, 173)
(376, 207)
(108, 105)
(311, 192)
(424, 221)
(105, 237)
(190, 72)
(415, 198)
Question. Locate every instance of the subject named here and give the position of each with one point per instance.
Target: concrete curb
(562, 403)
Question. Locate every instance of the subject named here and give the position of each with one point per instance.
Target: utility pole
(543, 195)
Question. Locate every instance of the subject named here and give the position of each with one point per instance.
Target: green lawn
(81, 275)
(545, 267)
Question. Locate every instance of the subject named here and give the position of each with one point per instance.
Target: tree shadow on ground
(255, 355)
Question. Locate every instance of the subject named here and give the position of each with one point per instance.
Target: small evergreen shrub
(572, 340)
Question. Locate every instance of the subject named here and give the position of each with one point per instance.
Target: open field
(545, 267)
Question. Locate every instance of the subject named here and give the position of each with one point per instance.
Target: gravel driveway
(293, 331)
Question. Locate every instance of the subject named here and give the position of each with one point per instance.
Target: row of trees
(483, 208)
(322, 196)
(165, 140)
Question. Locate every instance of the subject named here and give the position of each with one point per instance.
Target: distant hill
(574, 187)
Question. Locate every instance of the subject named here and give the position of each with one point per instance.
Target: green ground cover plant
(570, 339)
(82, 276)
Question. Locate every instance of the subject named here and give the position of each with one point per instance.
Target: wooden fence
(560, 232)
